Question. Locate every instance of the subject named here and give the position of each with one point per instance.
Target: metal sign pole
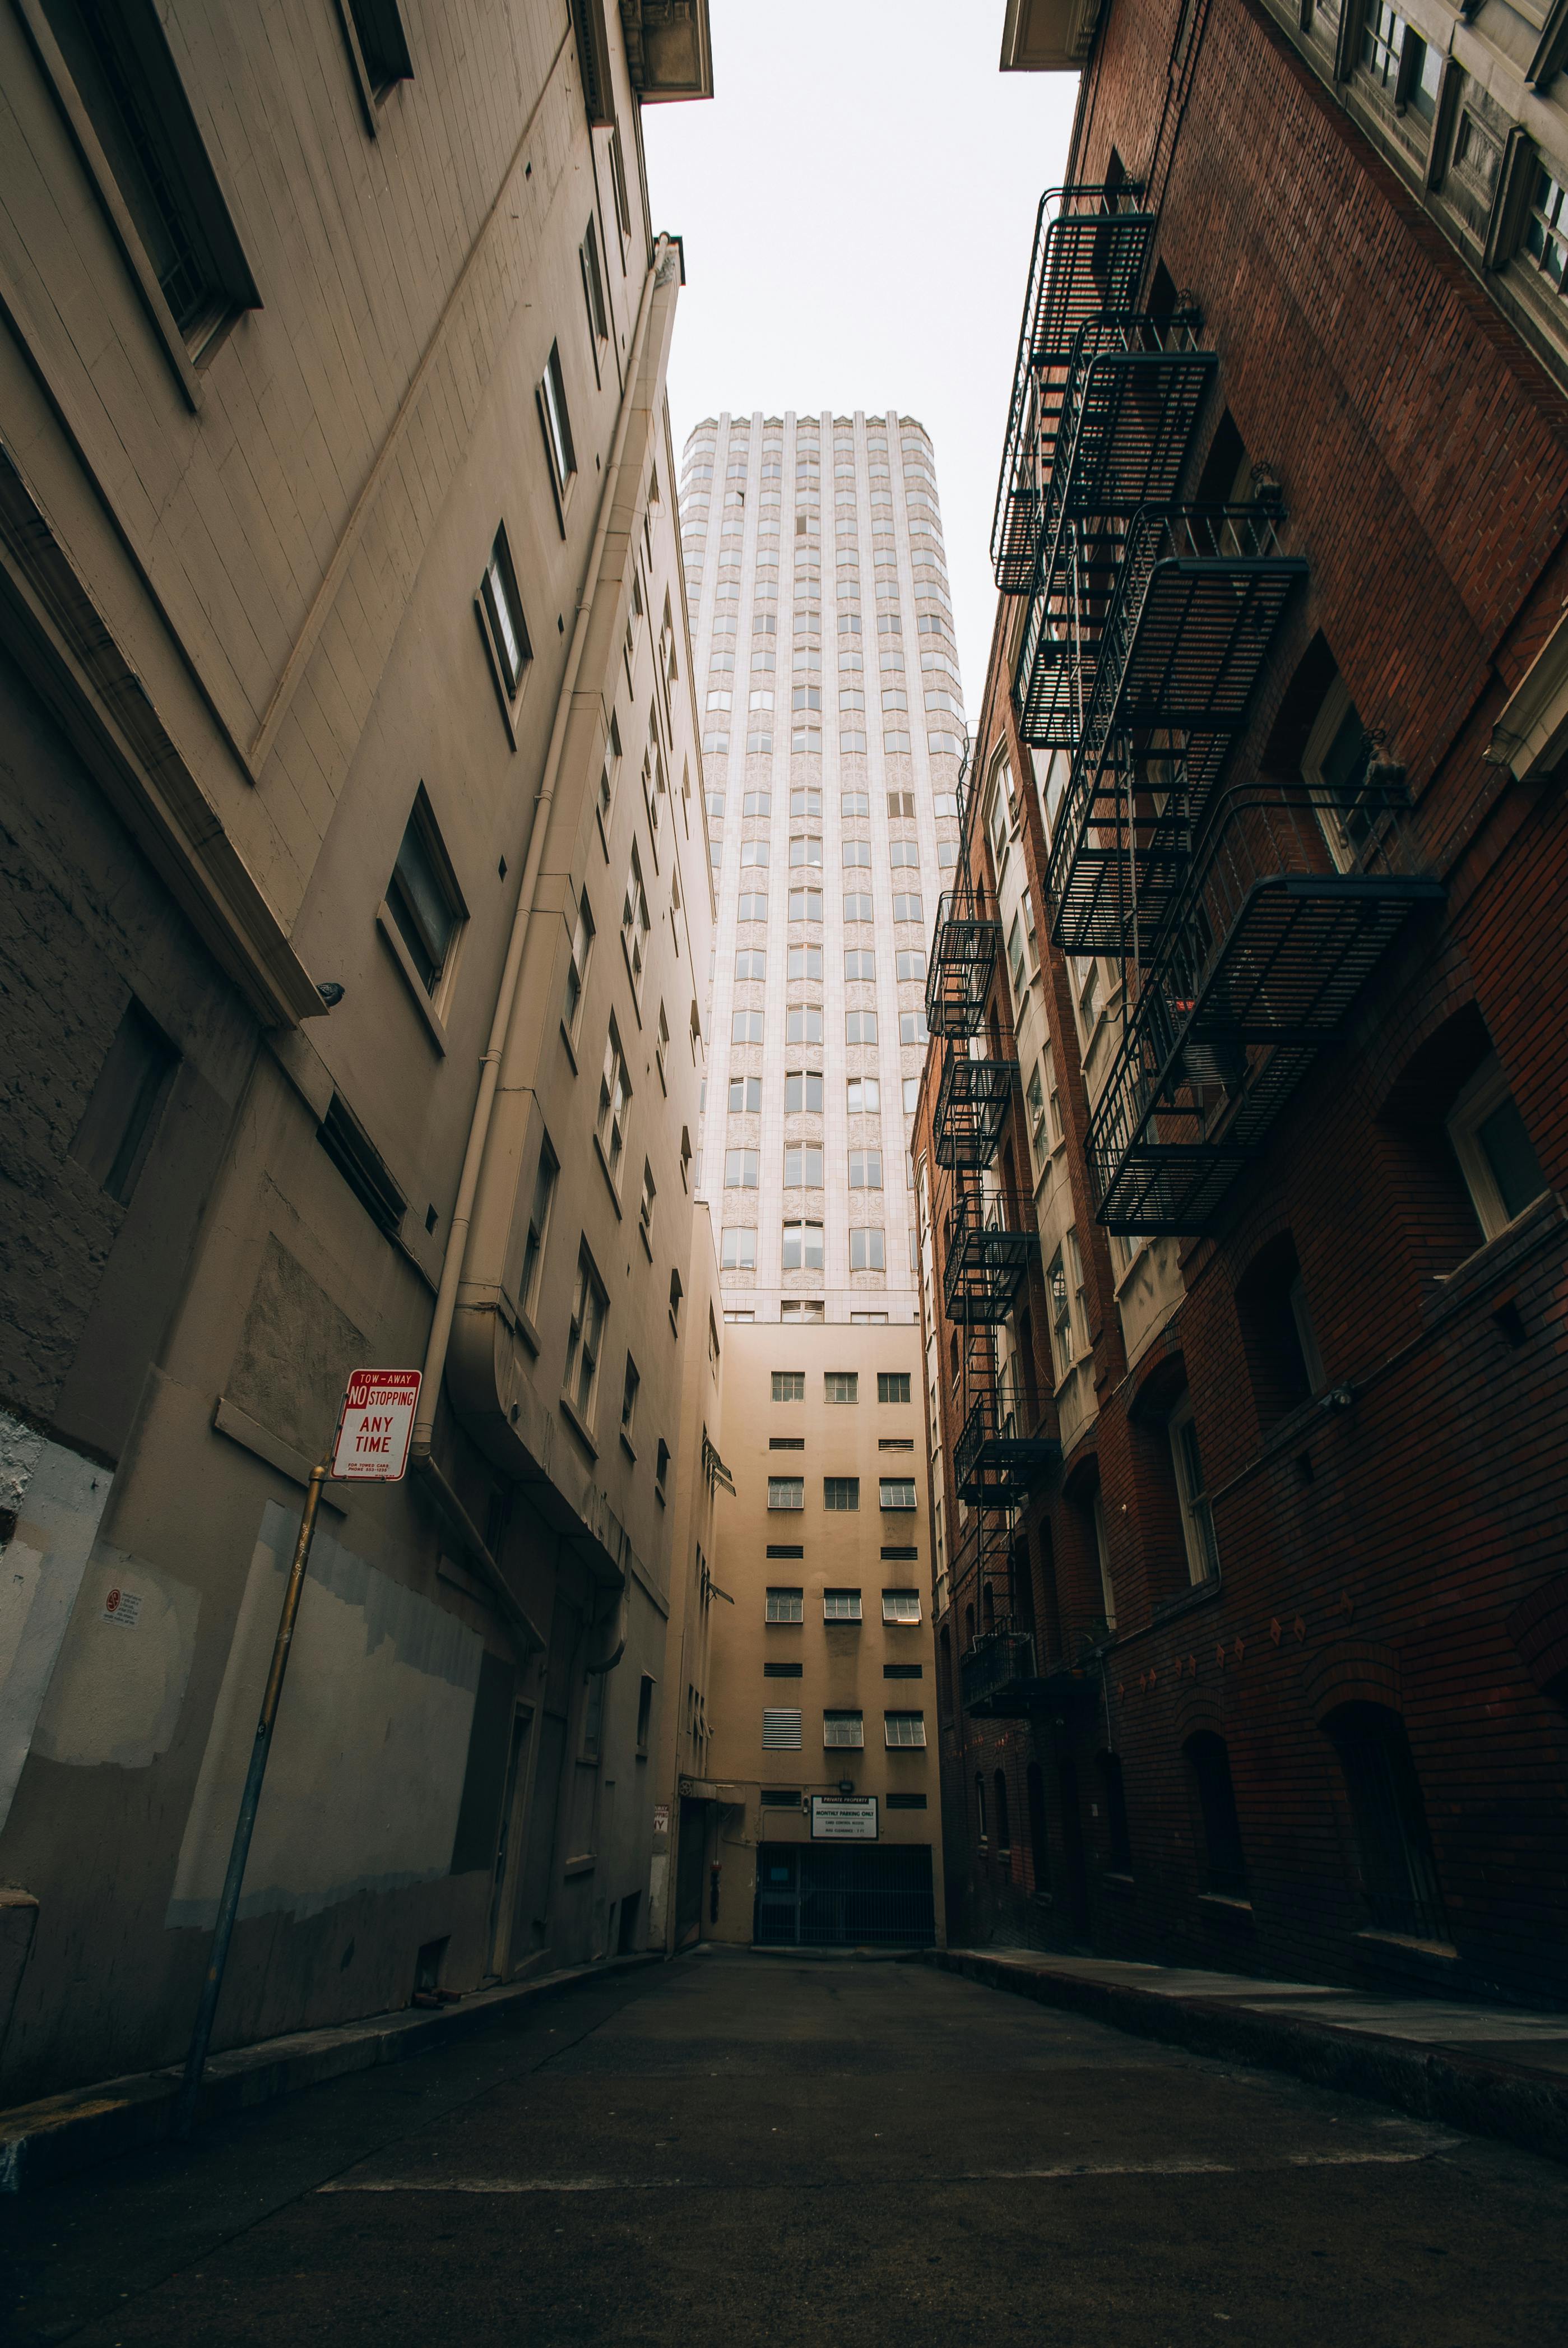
(228, 1904)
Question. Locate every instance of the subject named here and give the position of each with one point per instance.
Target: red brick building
(1244, 1128)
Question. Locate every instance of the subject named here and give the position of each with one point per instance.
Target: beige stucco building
(816, 1808)
(356, 917)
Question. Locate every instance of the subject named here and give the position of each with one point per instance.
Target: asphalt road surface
(735, 2149)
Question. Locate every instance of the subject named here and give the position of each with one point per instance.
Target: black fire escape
(1245, 913)
(989, 1244)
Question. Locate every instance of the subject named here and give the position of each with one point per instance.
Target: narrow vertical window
(558, 423)
(503, 611)
(539, 1229)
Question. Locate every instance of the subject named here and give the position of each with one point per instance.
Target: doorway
(508, 1842)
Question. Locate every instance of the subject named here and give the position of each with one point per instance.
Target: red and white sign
(377, 1420)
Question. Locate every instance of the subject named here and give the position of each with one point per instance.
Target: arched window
(1398, 1873)
(980, 1801)
(1118, 1843)
(968, 1627)
(1209, 1762)
(1039, 1841)
(1004, 1832)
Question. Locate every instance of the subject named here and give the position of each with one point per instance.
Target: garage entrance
(834, 1897)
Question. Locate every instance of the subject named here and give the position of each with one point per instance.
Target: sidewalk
(1495, 2071)
(64, 2134)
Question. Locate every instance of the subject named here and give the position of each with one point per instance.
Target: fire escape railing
(1263, 950)
(1090, 247)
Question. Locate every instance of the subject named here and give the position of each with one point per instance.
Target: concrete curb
(1482, 2095)
(42, 2142)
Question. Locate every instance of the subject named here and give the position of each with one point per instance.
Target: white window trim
(1201, 1566)
(1486, 1091)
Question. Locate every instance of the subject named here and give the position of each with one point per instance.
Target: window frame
(555, 423)
(589, 1312)
(1198, 1536)
(1487, 1091)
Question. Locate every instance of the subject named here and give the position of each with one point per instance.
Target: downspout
(455, 1262)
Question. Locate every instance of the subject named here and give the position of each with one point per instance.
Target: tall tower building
(827, 677)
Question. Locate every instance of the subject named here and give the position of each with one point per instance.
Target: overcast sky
(857, 204)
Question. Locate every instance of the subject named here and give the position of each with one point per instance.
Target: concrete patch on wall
(121, 1680)
(57, 1498)
(367, 1769)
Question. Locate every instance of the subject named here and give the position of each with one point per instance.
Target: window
(1015, 957)
(538, 1229)
(901, 807)
(738, 1251)
(842, 1493)
(422, 897)
(892, 1385)
(911, 1095)
(789, 1385)
(1545, 228)
(807, 850)
(841, 1386)
(628, 1398)
(1337, 761)
(781, 1732)
(804, 802)
(802, 1246)
(614, 1098)
(1102, 1556)
(1399, 1875)
(634, 923)
(676, 1292)
(843, 1728)
(803, 1024)
(757, 803)
(859, 962)
(786, 1492)
(1197, 1519)
(745, 1096)
(557, 422)
(912, 1027)
(911, 965)
(841, 1606)
(804, 961)
(1226, 1868)
(864, 1097)
(897, 1492)
(856, 852)
(900, 1606)
(908, 908)
(803, 1091)
(857, 906)
(120, 1120)
(645, 1206)
(577, 964)
(903, 851)
(860, 1026)
(130, 91)
(503, 612)
(1061, 1316)
(904, 1728)
(803, 1167)
(610, 770)
(746, 1027)
(742, 1170)
(1034, 1096)
(865, 1170)
(585, 1333)
(593, 284)
(866, 1251)
(853, 804)
(806, 904)
(754, 852)
(1496, 1155)
(784, 1605)
(752, 907)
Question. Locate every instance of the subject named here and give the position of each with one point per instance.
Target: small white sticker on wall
(121, 1606)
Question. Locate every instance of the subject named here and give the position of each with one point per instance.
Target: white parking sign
(377, 1421)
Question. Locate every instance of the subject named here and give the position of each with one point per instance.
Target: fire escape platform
(971, 1109)
(983, 1272)
(1200, 1079)
(996, 1676)
(964, 950)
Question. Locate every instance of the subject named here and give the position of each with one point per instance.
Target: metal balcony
(1258, 965)
(971, 1109)
(1133, 392)
(963, 956)
(988, 1250)
(1124, 848)
(1090, 247)
(996, 1675)
(1165, 626)
(998, 1460)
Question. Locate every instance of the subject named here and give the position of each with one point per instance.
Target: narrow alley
(734, 2148)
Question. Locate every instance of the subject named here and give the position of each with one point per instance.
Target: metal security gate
(836, 1898)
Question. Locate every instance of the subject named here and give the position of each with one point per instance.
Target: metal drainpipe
(489, 1066)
